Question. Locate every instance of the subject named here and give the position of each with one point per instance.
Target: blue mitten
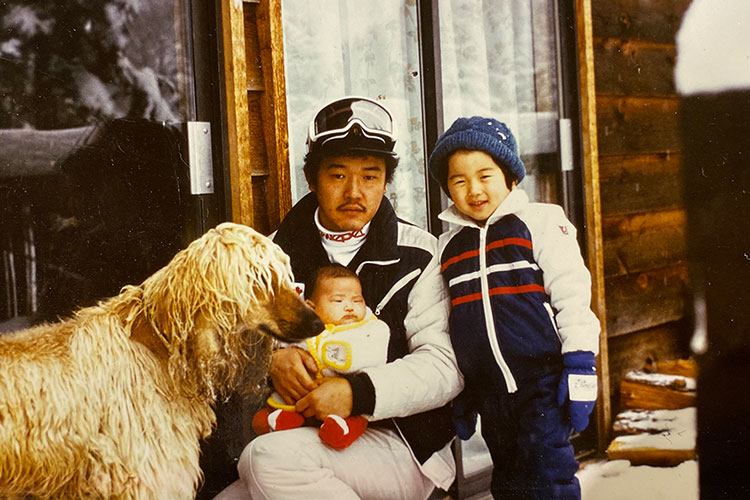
(578, 385)
(464, 416)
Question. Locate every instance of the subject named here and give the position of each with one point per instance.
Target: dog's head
(219, 304)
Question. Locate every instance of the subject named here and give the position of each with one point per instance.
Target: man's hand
(332, 397)
(292, 372)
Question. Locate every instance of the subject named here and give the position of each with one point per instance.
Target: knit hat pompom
(476, 134)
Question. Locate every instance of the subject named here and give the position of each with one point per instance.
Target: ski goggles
(353, 118)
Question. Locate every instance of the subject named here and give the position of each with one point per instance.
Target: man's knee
(275, 452)
(262, 452)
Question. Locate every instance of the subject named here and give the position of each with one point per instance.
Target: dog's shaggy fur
(113, 403)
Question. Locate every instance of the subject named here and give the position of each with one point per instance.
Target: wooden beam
(654, 20)
(647, 299)
(657, 391)
(641, 183)
(594, 240)
(274, 112)
(641, 349)
(238, 132)
(654, 437)
(638, 242)
(634, 68)
(682, 367)
(656, 450)
(629, 125)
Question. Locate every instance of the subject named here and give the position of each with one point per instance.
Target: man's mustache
(351, 206)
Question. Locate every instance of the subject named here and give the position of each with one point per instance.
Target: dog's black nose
(312, 324)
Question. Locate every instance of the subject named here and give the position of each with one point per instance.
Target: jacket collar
(515, 200)
(298, 236)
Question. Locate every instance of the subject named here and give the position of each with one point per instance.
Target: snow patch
(617, 480)
(662, 380)
(678, 439)
(713, 47)
(656, 420)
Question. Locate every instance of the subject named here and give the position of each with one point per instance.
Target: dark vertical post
(714, 112)
(432, 100)
(716, 136)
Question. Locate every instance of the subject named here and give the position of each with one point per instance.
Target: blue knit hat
(476, 134)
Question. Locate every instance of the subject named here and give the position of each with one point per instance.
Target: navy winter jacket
(520, 292)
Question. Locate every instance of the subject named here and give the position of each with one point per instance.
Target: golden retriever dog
(113, 403)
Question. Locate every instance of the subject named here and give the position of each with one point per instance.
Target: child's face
(476, 184)
(338, 301)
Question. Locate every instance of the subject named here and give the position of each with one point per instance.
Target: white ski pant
(294, 464)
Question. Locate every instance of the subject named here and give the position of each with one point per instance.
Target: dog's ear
(143, 333)
(206, 342)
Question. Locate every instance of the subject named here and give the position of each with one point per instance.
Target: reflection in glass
(91, 179)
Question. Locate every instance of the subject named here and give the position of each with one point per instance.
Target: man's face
(349, 190)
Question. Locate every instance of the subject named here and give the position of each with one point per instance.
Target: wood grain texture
(641, 183)
(634, 68)
(639, 395)
(238, 132)
(646, 299)
(682, 367)
(639, 242)
(255, 82)
(637, 350)
(647, 455)
(631, 125)
(274, 111)
(654, 20)
(593, 213)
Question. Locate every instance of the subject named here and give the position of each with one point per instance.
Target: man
(405, 452)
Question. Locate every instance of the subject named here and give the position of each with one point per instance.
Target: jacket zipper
(395, 288)
(510, 381)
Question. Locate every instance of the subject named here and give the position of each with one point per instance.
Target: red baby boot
(340, 432)
(270, 419)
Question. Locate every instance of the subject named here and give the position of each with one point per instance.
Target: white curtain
(498, 59)
(334, 48)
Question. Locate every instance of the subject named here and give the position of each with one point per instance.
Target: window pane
(499, 59)
(334, 48)
(91, 179)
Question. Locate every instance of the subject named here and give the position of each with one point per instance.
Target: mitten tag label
(582, 387)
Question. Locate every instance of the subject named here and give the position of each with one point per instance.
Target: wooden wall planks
(653, 20)
(642, 203)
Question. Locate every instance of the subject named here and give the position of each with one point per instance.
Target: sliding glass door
(95, 186)
(430, 62)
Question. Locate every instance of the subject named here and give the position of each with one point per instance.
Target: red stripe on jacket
(501, 290)
(495, 244)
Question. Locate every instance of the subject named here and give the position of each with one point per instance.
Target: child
(521, 324)
(353, 339)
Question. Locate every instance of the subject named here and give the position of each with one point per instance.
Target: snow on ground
(618, 480)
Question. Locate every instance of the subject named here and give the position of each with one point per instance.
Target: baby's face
(339, 301)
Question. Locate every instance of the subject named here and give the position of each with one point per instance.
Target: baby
(353, 339)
